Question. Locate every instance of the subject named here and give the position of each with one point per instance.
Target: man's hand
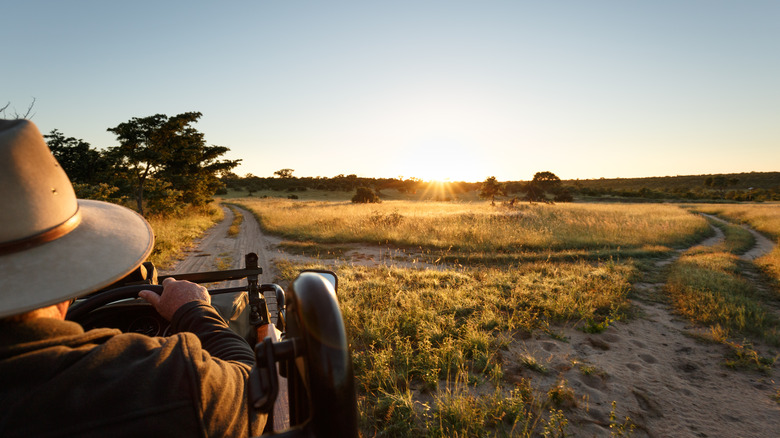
(175, 294)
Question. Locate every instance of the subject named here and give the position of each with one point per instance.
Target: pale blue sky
(431, 89)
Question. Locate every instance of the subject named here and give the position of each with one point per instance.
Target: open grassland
(737, 240)
(174, 234)
(762, 217)
(480, 227)
(435, 351)
(436, 192)
(430, 347)
(771, 262)
(707, 288)
(442, 351)
(308, 195)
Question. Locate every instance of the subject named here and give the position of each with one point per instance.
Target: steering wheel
(81, 308)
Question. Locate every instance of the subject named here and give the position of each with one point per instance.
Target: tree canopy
(171, 154)
(161, 162)
(490, 189)
(284, 173)
(365, 195)
(82, 163)
(544, 182)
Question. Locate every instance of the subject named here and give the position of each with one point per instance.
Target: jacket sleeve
(215, 336)
(221, 363)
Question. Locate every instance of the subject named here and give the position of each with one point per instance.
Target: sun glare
(441, 162)
(438, 190)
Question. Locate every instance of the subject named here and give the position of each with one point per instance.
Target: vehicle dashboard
(129, 316)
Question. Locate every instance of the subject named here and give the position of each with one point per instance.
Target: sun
(441, 162)
(438, 190)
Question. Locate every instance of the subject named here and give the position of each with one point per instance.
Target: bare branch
(29, 110)
(15, 115)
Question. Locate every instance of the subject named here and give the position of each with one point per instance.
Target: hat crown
(35, 190)
(54, 247)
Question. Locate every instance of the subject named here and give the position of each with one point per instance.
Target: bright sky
(430, 89)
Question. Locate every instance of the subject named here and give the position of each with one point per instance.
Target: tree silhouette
(490, 189)
(171, 151)
(284, 173)
(543, 182)
(82, 163)
(365, 195)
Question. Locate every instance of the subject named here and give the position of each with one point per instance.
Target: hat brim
(109, 243)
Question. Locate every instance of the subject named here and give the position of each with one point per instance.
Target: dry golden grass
(439, 332)
(707, 288)
(443, 331)
(762, 217)
(238, 219)
(173, 235)
(480, 227)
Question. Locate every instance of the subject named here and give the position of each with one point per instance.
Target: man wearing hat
(56, 379)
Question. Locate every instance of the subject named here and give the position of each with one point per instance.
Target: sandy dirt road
(217, 250)
(669, 383)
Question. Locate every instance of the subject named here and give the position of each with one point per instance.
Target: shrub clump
(365, 195)
(389, 220)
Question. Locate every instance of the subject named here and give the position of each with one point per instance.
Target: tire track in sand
(216, 250)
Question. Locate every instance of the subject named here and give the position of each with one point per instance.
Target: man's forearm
(214, 334)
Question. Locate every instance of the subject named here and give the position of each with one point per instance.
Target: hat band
(41, 238)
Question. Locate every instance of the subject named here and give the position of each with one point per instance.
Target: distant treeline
(753, 186)
(749, 186)
(346, 183)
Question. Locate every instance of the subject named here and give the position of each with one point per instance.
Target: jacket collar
(33, 334)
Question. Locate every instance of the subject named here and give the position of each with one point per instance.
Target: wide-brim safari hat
(54, 247)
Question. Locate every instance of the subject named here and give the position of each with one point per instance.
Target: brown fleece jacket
(57, 380)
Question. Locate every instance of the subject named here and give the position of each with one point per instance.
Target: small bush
(564, 195)
(365, 195)
(162, 198)
(292, 196)
(389, 220)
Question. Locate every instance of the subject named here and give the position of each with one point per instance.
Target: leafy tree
(490, 189)
(191, 166)
(170, 149)
(284, 173)
(548, 181)
(140, 153)
(365, 195)
(534, 192)
(78, 159)
(163, 198)
(543, 182)
(101, 192)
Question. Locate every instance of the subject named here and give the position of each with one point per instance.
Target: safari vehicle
(304, 376)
